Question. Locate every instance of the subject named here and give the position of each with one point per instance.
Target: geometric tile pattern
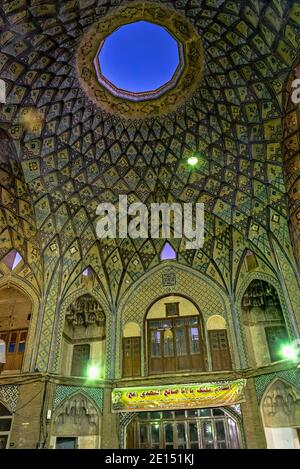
(9, 396)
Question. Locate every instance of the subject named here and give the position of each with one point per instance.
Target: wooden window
(172, 309)
(219, 349)
(131, 356)
(276, 336)
(15, 342)
(81, 355)
(5, 426)
(175, 344)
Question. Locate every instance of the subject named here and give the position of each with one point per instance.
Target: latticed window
(81, 355)
(219, 349)
(131, 356)
(175, 343)
(276, 336)
(172, 309)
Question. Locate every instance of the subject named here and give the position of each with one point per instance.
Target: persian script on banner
(181, 396)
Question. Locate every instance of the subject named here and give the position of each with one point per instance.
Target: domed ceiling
(75, 154)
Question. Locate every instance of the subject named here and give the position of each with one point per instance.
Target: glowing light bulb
(193, 160)
(93, 372)
(289, 352)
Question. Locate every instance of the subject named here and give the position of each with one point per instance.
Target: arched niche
(216, 322)
(131, 329)
(76, 421)
(263, 323)
(280, 408)
(199, 289)
(84, 337)
(15, 318)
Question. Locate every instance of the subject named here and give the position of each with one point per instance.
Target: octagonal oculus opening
(138, 61)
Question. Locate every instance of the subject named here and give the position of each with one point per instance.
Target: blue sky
(139, 57)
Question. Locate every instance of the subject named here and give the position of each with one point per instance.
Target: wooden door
(131, 356)
(219, 349)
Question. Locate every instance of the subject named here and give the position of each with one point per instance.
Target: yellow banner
(181, 396)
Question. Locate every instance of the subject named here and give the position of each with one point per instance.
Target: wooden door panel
(219, 349)
(131, 356)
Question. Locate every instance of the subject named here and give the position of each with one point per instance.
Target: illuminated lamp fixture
(193, 160)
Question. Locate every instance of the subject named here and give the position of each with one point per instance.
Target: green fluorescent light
(193, 160)
(93, 372)
(289, 352)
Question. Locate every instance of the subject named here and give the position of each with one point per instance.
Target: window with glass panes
(80, 360)
(276, 337)
(15, 342)
(185, 429)
(175, 344)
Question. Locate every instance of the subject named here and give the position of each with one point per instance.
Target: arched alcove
(76, 424)
(280, 408)
(175, 336)
(84, 337)
(263, 323)
(15, 317)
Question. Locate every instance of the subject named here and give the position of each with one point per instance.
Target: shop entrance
(183, 429)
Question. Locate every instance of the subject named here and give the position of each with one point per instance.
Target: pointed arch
(280, 410)
(79, 416)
